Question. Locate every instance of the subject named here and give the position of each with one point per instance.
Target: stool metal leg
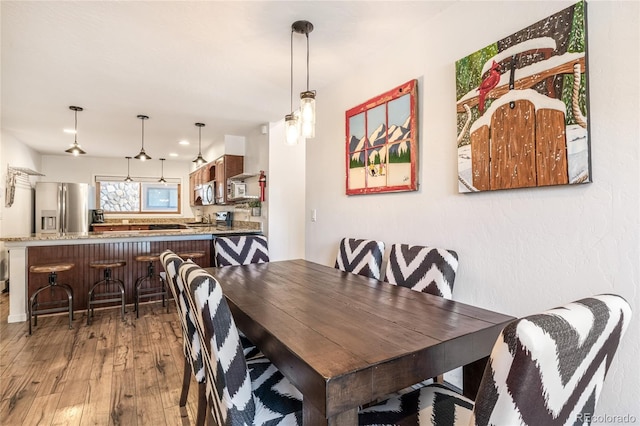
(34, 304)
(140, 294)
(107, 280)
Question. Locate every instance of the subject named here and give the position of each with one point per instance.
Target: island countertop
(62, 246)
(200, 230)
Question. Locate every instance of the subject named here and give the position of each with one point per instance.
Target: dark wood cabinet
(197, 178)
(119, 227)
(224, 168)
(218, 171)
(108, 228)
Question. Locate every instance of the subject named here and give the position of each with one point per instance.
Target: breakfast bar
(83, 248)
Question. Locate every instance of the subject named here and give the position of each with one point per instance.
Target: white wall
(286, 186)
(17, 219)
(521, 251)
(67, 168)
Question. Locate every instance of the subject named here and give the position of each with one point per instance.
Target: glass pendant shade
(291, 129)
(75, 148)
(308, 114)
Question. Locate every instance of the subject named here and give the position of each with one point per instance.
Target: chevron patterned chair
(239, 391)
(426, 269)
(241, 250)
(190, 338)
(192, 348)
(544, 369)
(361, 257)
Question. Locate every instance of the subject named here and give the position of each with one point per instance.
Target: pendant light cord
(307, 34)
(142, 133)
(75, 135)
(291, 74)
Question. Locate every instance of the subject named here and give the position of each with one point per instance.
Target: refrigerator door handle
(63, 208)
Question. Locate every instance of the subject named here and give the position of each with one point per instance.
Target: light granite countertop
(200, 230)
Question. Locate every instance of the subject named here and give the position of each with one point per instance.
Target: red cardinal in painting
(487, 84)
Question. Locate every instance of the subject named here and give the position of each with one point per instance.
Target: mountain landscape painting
(522, 109)
(382, 144)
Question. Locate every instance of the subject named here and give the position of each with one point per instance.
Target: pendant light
(128, 178)
(308, 97)
(291, 127)
(162, 179)
(199, 159)
(142, 155)
(75, 148)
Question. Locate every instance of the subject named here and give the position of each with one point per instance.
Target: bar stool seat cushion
(147, 257)
(191, 254)
(51, 267)
(106, 264)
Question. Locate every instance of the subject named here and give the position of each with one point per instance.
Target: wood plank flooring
(108, 373)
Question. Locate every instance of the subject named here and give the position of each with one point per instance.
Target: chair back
(241, 250)
(426, 269)
(229, 391)
(362, 257)
(549, 368)
(190, 337)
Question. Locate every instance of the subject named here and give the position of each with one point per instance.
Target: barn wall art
(522, 108)
(382, 143)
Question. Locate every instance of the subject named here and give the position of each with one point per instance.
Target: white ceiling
(223, 63)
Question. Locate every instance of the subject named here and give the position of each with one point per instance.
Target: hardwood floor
(108, 373)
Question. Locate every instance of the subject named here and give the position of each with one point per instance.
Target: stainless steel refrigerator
(63, 207)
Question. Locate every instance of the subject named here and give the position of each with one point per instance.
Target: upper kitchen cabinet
(197, 178)
(225, 167)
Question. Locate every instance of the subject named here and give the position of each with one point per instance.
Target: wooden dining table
(345, 340)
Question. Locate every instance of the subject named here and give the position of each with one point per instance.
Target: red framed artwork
(382, 143)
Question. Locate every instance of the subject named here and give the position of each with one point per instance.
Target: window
(158, 197)
(117, 196)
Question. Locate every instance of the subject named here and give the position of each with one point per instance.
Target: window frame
(142, 184)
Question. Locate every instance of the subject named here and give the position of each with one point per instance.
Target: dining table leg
(312, 417)
(471, 377)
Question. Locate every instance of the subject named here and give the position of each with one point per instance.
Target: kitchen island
(82, 248)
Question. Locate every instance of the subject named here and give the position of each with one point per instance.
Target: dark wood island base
(82, 277)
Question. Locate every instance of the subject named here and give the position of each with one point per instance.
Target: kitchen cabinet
(224, 168)
(197, 178)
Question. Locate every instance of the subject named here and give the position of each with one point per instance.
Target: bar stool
(108, 283)
(148, 292)
(190, 255)
(34, 306)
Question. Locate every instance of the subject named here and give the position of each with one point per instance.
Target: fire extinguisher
(262, 180)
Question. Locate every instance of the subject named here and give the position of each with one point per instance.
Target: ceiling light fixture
(162, 179)
(75, 148)
(308, 97)
(199, 159)
(128, 178)
(142, 155)
(291, 128)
